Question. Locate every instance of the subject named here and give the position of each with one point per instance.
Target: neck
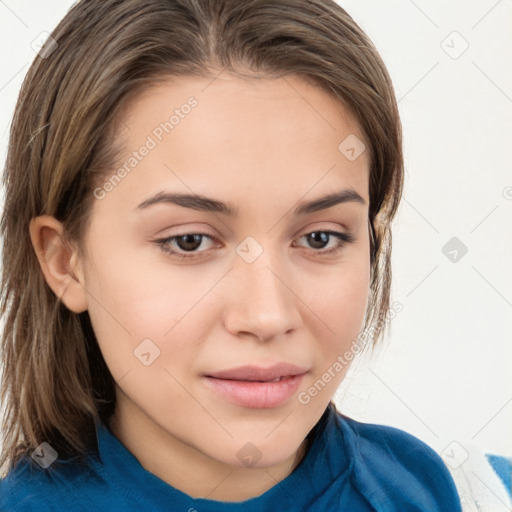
(189, 470)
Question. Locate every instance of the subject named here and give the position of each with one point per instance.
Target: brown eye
(185, 243)
(319, 239)
(189, 242)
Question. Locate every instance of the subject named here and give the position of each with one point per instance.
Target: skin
(263, 145)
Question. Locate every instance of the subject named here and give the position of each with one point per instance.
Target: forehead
(239, 137)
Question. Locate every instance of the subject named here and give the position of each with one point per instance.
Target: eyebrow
(208, 204)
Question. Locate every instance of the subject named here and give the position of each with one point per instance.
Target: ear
(59, 262)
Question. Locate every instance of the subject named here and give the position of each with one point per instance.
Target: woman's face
(263, 284)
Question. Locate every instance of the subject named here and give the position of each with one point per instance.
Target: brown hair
(55, 383)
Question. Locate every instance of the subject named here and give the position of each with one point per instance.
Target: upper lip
(255, 373)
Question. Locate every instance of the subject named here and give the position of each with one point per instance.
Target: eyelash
(342, 240)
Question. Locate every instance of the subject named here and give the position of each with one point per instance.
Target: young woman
(197, 243)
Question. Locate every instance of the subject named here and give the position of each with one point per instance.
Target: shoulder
(23, 489)
(30, 488)
(385, 442)
(390, 464)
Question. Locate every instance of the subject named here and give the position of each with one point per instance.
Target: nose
(263, 299)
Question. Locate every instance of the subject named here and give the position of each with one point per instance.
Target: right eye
(187, 243)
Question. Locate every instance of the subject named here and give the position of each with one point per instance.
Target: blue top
(348, 466)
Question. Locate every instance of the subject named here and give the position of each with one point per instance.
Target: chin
(259, 453)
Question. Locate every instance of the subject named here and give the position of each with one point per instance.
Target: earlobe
(59, 262)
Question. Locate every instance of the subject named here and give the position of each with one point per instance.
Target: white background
(444, 374)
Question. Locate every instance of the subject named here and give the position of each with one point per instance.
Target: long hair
(55, 384)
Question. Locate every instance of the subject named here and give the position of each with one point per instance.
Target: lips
(256, 387)
(255, 373)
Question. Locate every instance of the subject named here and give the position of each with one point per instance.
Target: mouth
(253, 373)
(249, 380)
(257, 387)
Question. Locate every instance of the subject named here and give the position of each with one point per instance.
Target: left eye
(324, 236)
(190, 242)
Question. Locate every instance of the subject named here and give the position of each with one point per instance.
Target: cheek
(341, 299)
(140, 300)
(339, 305)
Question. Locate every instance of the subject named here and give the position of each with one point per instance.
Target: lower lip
(258, 395)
